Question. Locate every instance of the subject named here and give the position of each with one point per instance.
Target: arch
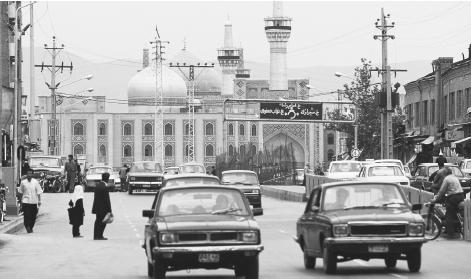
(241, 130)
(168, 150)
(287, 142)
(78, 129)
(148, 129)
(254, 130)
(230, 129)
(127, 129)
(231, 150)
(242, 150)
(127, 151)
(102, 129)
(102, 151)
(78, 149)
(209, 150)
(168, 129)
(330, 138)
(209, 130)
(330, 154)
(148, 150)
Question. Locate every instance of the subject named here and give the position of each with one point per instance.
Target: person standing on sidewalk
(30, 191)
(101, 206)
(71, 171)
(76, 203)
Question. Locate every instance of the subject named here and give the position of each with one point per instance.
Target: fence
(467, 220)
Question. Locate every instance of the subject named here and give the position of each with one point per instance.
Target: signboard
(290, 111)
(355, 153)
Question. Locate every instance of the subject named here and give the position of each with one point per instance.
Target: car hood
(244, 187)
(38, 169)
(144, 174)
(206, 222)
(385, 214)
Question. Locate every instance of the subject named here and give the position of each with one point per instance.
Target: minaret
(278, 30)
(228, 57)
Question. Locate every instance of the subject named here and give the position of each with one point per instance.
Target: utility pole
(191, 102)
(386, 113)
(32, 92)
(53, 68)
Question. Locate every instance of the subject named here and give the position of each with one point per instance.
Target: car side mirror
(149, 213)
(417, 206)
(257, 211)
(315, 208)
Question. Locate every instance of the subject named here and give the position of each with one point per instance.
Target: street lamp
(339, 74)
(89, 77)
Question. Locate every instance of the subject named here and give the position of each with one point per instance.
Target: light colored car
(384, 173)
(247, 181)
(465, 166)
(171, 170)
(407, 172)
(190, 179)
(145, 175)
(94, 176)
(192, 167)
(391, 161)
(344, 170)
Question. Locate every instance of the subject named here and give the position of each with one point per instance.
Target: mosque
(121, 138)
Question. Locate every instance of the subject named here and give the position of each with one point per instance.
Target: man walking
(31, 198)
(71, 171)
(101, 206)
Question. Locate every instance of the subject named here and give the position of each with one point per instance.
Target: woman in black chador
(76, 211)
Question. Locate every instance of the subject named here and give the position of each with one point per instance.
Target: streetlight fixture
(339, 74)
(89, 77)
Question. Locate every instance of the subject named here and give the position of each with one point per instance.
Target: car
(49, 170)
(192, 167)
(421, 177)
(247, 181)
(344, 220)
(190, 179)
(407, 172)
(344, 170)
(93, 176)
(465, 166)
(299, 176)
(144, 175)
(391, 161)
(171, 170)
(384, 172)
(202, 227)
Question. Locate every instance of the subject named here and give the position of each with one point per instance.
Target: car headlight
(251, 237)
(132, 178)
(416, 229)
(167, 238)
(341, 230)
(255, 192)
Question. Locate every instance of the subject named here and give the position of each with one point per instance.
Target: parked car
(191, 168)
(360, 220)
(247, 181)
(344, 170)
(94, 176)
(465, 166)
(384, 173)
(144, 175)
(421, 177)
(202, 227)
(171, 170)
(49, 171)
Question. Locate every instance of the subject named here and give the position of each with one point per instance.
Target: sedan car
(144, 175)
(247, 181)
(171, 170)
(191, 168)
(421, 178)
(360, 220)
(190, 179)
(94, 176)
(384, 173)
(202, 227)
(344, 170)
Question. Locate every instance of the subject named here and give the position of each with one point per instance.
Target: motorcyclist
(452, 193)
(438, 176)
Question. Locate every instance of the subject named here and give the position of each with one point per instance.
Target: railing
(467, 220)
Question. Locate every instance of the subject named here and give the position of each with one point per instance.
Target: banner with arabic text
(291, 111)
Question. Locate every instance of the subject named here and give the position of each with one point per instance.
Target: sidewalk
(294, 193)
(15, 223)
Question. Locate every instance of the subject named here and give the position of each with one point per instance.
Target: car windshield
(146, 167)
(192, 169)
(184, 181)
(385, 171)
(99, 170)
(468, 165)
(345, 167)
(239, 178)
(362, 196)
(397, 163)
(300, 172)
(455, 170)
(36, 162)
(199, 201)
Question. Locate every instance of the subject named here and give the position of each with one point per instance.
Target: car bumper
(208, 249)
(254, 199)
(145, 185)
(361, 246)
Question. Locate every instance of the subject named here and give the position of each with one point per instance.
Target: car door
(418, 179)
(312, 225)
(306, 222)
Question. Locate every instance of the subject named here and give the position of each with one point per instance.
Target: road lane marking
(398, 276)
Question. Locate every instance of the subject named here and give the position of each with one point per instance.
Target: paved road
(51, 252)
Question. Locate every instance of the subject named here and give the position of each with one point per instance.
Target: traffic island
(286, 193)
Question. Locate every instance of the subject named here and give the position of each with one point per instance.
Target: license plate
(208, 258)
(378, 248)
(146, 185)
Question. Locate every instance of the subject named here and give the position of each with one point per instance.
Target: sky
(323, 33)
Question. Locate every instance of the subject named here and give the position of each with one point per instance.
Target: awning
(428, 140)
(462, 140)
(412, 159)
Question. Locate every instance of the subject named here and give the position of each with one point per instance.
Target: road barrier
(467, 220)
(314, 180)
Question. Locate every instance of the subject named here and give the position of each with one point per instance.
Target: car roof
(192, 164)
(145, 162)
(381, 165)
(435, 164)
(345, 161)
(239, 171)
(171, 168)
(195, 175)
(388, 160)
(216, 187)
(353, 183)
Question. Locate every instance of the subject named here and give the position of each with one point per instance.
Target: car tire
(330, 260)
(390, 262)
(252, 268)
(159, 270)
(435, 226)
(309, 261)
(150, 269)
(130, 191)
(414, 259)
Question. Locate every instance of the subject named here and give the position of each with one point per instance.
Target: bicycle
(435, 220)
(3, 195)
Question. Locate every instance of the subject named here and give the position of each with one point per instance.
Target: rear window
(345, 167)
(146, 167)
(239, 178)
(385, 171)
(184, 181)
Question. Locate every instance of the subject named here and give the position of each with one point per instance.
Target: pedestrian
(441, 159)
(71, 172)
(79, 172)
(213, 171)
(101, 206)
(30, 191)
(77, 211)
(25, 168)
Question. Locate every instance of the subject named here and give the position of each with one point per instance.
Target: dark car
(202, 227)
(247, 181)
(421, 178)
(360, 220)
(145, 175)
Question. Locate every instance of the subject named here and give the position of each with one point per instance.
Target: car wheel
(390, 262)
(414, 258)
(433, 226)
(251, 268)
(330, 261)
(130, 190)
(150, 269)
(159, 270)
(239, 270)
(309, 261)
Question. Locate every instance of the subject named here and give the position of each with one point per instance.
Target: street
(51, 252)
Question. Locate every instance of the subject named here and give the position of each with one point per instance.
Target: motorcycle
(435, 220)
(52, 183)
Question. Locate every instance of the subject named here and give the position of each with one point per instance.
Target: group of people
(73, 173)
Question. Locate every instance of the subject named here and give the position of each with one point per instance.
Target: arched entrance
(282, 146)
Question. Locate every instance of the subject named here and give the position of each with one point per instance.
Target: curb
(16, 224)
(283, 194)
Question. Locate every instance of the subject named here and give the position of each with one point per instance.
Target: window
(468, 98)
(209, 150)
(254, 130)
(330, 154)
(230, 129)
(127, 151)
(452, 106)
(241, 130)
(148, 151)
(127, 129)
(78, 130)
(148, 130)
(231, 150)
(417, 114)
(187, 129)
(102, 151)
(168, 130)
(242, 149)
(432, 111)
(425, 114)
(78, 149)
(209, 129)
(445, 105)
(102, 129)
(459, 103)
(330, 139)
(168, 150)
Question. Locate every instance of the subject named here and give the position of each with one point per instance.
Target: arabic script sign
(291, 111)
